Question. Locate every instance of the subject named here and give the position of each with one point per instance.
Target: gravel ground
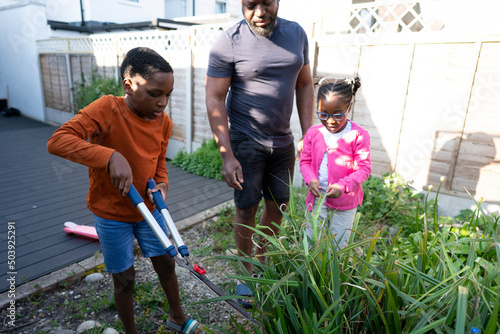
(63, 309)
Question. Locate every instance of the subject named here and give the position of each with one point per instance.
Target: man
(259, 63)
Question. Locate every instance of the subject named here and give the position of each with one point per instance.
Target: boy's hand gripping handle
(138, 202)
(160, 205)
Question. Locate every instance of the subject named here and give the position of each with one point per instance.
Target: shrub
(205, 161)
(88, 92)
(389, 200)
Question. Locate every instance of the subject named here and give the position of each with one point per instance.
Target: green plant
(459, 272)
(389, 200)
(88, 92)
(150, 294)
(465, 215)
(221, 231)
(205, 161)
(94, 302)
(430, 281)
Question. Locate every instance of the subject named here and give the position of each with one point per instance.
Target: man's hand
(315, 187)
(120, 172)
(232, 172)
(162, 187)
(333, 191)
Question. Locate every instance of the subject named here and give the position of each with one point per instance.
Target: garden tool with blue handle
(197, 271)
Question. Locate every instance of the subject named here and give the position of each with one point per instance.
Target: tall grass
(436, 280)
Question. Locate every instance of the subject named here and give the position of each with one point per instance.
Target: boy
(127, 141)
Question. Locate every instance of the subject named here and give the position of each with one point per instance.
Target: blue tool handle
(183, 250)
(134, 196)
(171, 251)
(160, 204)
(138, 202)
(158, 199)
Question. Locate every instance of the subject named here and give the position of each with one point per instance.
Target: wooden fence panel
(337, 61)
(55, 82)
(177, 104)
(203, 39)
(440, 82)
(201, 125)
(478, 158)
(379, 106)
(76, 68)
(83, 66)
(64, 87)
(45, 71)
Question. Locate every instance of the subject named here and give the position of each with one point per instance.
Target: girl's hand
(120, 172)
(162, 187)
(333, 191)
(300, 146)
(315, 188)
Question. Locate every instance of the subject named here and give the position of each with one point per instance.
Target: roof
(90, 27)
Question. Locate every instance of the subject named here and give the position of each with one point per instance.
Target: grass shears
(183, 259)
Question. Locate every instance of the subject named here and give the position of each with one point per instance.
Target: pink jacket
(349, 164)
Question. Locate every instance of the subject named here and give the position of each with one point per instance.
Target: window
(220, 7)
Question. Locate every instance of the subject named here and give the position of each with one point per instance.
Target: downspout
(194, 6)
(81, 13)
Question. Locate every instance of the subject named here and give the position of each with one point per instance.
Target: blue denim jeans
(117, 241)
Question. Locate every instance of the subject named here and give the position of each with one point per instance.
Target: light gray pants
(338, 222)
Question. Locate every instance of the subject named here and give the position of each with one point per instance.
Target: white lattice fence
(200, 37)
(382, 16)
(65, 45)
(204, 36)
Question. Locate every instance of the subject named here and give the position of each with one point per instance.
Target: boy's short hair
(145, 62)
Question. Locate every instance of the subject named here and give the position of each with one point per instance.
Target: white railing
(118, 43)
(396, 17)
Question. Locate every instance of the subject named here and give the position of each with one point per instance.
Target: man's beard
(266, 31)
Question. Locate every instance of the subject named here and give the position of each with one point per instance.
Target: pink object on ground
(87, 231)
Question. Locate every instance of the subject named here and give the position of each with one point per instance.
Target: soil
(63, 309)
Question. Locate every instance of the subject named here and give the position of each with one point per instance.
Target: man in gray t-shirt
(259, 64)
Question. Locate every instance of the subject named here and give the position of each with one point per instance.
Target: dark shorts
(266, 171)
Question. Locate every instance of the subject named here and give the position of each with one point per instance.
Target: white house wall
(124, 11)
(21, 27)
(116, 11)
(178, 8)
(207, 7)
(63, 10)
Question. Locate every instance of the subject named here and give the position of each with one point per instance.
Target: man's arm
(304, 92)
(216, 91)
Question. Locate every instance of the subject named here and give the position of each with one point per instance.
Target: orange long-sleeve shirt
(91, 137)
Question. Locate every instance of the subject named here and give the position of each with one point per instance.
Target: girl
(335, 159)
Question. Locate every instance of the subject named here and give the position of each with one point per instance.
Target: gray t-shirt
(264, 73)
